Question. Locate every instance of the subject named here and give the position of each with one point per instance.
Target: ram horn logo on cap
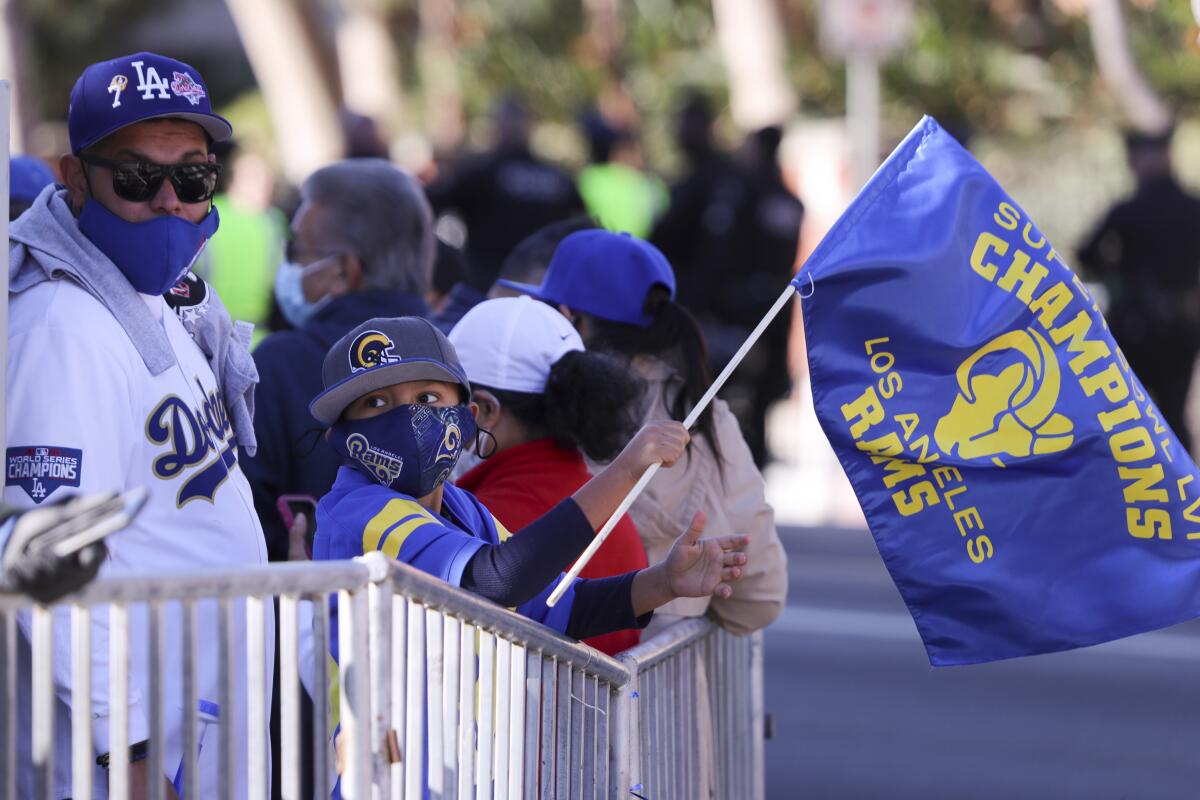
(371, 349)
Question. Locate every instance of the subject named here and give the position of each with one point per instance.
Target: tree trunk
(368, 64)
(605, 30)
(14, 65)
(438, 54)
(750, 36)
(287, 65)
(1110, 41)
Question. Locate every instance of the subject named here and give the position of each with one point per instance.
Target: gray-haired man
(362, 246)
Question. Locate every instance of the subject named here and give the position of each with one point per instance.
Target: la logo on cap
(155, 87)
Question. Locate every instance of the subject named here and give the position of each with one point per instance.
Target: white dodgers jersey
(86, 415)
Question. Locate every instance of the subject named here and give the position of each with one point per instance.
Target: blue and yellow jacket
(358, 515)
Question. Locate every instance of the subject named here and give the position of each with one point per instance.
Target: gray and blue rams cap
(381, 352)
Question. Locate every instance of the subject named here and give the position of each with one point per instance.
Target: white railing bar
(435, 667)
(466, 711)
(191, 701)
(379, 602)
(516, 724)
(501, 721)
(154, 662)
(256, 687)
(503, 708)
(583, 772)
(83, 756)
(659, 733)
(600, 723)
(226, 624)
(399, 669)
(548, 736)
(691, 765)
(322, 733)
(626, 742)
(43, 700)
(487, 699)
(758, 754)
(289, 697)
(414, 704)
(669, 787)
(533, 714)
(562, 739)
(579, 713)
(451, 664)
(8, 711)
(353, 680)
(118, 702)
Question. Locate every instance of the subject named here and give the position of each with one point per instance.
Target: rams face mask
(410, 449)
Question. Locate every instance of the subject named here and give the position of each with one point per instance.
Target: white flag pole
(603, 533)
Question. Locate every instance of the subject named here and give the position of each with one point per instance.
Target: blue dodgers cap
(112, 94)
(381, 352)
(27, 176)
(604, 274)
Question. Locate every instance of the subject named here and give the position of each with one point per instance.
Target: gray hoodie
(45, 243)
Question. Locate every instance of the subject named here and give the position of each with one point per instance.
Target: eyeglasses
(138, 181)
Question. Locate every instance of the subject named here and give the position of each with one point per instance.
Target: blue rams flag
(1022, 488)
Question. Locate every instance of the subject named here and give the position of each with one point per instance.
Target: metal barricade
(436, 692)
(478, 701)
(695, 718)
(193, 615)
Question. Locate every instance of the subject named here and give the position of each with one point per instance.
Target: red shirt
(521, 483)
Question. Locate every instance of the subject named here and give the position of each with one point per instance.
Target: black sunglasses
(138, 181)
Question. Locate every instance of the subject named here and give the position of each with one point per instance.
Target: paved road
(859, 712)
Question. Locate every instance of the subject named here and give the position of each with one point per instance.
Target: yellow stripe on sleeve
(501, 531)
(396, 536)
(389, 515)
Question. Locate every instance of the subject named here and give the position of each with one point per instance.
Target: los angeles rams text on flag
(1021, 486)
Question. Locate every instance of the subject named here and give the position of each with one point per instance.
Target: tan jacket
(734, 505)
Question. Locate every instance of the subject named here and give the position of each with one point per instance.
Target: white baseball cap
(511, 343)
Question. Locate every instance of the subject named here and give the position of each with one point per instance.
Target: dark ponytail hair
(590, 402)
(675, 336)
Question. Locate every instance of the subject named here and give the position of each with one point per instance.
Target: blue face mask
(289, 291)
(410, 449)
(153, 255)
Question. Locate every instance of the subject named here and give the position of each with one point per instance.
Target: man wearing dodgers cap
(125, 371)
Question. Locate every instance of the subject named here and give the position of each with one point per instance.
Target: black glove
(56, 549)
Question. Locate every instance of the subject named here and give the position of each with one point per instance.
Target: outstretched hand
(699, 568)
(693, 568)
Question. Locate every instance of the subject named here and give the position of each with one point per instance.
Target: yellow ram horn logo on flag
(1006, 409)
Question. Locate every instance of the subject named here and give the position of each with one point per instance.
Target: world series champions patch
(40, 469)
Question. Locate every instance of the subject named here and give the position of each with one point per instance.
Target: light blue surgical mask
(289, 291)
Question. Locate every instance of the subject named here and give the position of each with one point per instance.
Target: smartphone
(290, 505)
